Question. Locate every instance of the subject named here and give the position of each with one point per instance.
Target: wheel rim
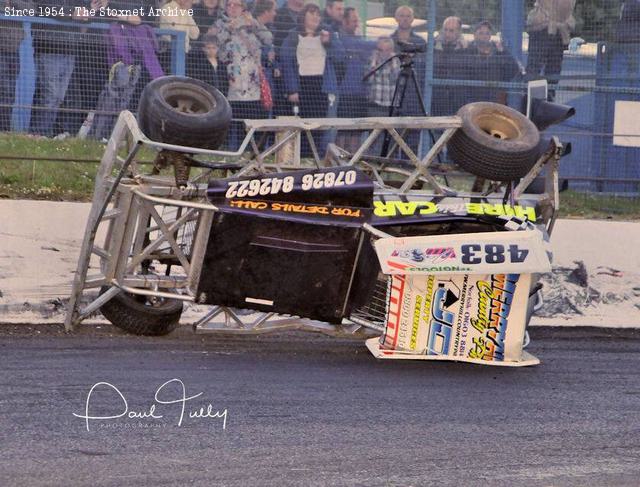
(196, 102)
(187, 105)
(150, 301)
(498, 126)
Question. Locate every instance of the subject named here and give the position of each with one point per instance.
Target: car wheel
(184, 111)
(141, 315)
(495, 142)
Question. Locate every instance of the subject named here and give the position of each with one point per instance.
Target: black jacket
(204, 19)
(629, 26)
(285, 21)
(497, 66)
(450, 62)
(330, 24)
(199, 67)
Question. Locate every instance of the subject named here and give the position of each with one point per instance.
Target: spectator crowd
(298, 59)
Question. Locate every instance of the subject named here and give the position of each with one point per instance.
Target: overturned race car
(388, 249)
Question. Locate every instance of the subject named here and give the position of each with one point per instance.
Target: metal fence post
(178, 54)
(512, 26)
(513, 16)
(427, 90)
(363, 11)
(25, 83)
(599, 108)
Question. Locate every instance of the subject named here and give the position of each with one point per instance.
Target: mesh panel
(376, 310)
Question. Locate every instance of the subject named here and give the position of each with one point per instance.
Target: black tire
(141, 318)
(184, 111)
(495, 142)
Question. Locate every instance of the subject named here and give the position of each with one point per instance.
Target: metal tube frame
(146, 215)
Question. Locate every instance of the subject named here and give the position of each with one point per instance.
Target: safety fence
(591, 61)
(71, 75)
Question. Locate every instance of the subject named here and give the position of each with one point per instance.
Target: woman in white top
(307, 57)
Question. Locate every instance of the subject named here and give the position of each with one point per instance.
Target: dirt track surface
(594, 283)
(311, 410)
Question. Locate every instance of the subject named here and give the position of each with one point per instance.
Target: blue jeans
(329, 136)
(54, 73)
(9, 66)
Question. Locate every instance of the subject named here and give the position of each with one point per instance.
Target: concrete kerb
(596, 278)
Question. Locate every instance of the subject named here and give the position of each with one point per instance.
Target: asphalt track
(312, 410)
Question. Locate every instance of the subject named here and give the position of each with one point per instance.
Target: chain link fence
(68, 68)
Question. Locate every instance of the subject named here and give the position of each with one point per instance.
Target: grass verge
(36, 179)
(73, 181)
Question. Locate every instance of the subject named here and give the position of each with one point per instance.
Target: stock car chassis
(164, 244)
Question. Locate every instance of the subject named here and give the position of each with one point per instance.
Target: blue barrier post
(600, 108)
(178, 55)
(25, 83)
(512, 26)
(427, 90)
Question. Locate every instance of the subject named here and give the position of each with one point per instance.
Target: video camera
(409, 48)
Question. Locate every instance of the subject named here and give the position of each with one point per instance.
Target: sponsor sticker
(302, 208)
(390, 209)
(249, 188)
(467, 316)
(489, 252)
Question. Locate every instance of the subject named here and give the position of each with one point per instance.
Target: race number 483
(492, 254)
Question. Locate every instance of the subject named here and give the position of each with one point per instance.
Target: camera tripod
(406, 76)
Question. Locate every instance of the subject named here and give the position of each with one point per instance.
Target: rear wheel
(184, 111)
(142, 315)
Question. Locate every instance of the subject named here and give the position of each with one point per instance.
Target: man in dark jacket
(352, 90)
(286, 19)
(549, 25)
(332, 22)
(449, 63)
(333, 15)
(488, 61)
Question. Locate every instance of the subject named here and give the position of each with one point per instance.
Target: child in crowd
(204, 63)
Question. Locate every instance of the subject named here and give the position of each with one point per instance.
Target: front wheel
(495, 142)
(142, 315)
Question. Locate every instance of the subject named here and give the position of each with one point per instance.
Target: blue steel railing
(26, 79)
(598, 157)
